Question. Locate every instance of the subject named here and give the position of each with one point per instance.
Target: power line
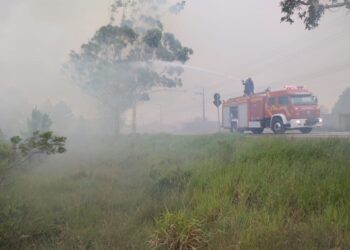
(279, 58)
(331, 70)
(334, 21)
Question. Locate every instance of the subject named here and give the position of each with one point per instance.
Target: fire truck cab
(292, 108)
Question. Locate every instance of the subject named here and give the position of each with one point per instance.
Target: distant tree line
(342, 106)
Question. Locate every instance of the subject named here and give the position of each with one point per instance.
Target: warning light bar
(292, 87)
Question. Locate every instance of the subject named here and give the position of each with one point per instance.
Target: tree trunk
(134, 120)
(117, 125)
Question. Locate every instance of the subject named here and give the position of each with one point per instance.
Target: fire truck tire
(306, 130)
(278, 126)
(257, 131)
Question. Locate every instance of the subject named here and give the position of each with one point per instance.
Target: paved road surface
(323, 135)
(316, 134)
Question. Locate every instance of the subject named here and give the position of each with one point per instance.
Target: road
(323, 135)
(316, 134)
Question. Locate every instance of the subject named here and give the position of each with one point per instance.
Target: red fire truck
(292, 108)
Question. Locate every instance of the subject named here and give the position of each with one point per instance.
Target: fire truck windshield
(303, 100)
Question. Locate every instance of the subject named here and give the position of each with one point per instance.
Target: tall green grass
(214, 192)
(5, 154)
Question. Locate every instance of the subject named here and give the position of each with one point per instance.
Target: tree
(310, 11)
(2, 135)
(40, 143)
(5, 155)
(38, 122)
(343, 104)
(127, 58)
(61, 115)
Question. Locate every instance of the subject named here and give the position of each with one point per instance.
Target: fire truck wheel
(306, 130)
(278, 126)
(257, 131)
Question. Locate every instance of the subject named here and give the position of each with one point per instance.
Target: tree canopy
(125, 58)
(39, 143)
(343, 103)
(38, 122)
(310, 11)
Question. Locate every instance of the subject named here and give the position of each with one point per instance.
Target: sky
(232, 40)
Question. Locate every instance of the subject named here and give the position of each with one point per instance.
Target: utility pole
(134, 119)
(134, 111)
(160, 118)
(219, 123)
(217, 102)
(204, 118)
(202, 94)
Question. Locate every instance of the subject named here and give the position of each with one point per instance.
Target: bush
(40, 143)
(178, 231)
(173, 184)
(5, 155)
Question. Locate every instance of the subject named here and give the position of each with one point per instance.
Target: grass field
(182, 192)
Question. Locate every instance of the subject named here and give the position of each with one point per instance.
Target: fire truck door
(234, 112)
(243, 115)
(256, 110)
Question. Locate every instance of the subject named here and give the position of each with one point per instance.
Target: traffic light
(217, 100)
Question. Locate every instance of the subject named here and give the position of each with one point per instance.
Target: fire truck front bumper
(302, 123)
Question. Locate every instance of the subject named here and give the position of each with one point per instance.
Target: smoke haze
(232, 40)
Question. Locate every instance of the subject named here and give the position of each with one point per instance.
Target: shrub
(38, 144)
(5, 155)
(178, 231)
(174, 183)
